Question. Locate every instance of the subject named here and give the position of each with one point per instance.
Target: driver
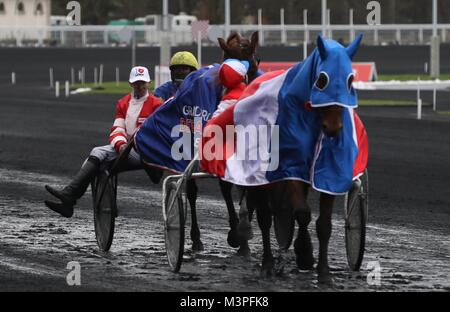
(181, 65)
(132, 110)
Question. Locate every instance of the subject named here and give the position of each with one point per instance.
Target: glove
(122, 148)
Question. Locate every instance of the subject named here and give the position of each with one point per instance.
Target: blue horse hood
(326, 76)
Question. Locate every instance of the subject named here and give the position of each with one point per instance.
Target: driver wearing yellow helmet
(182, 64)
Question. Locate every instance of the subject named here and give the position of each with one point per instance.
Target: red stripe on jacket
(119, 135)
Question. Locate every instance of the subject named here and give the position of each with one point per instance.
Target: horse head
(243, 49)
(332, 87)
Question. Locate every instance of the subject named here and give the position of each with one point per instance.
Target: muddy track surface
(408, 231)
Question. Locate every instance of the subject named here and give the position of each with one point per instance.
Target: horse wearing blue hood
(319, 147)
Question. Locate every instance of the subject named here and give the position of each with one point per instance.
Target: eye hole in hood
(322, 81)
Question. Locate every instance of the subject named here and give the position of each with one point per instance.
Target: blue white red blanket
(289, 142)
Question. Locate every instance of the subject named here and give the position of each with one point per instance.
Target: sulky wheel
(104, 191)
(174, 227)
(356, 212)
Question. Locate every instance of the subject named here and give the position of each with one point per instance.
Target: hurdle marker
(67, 89)
(95, 76)
(72, 76)
(434, 98)
(101, 75)
(419, 100)
(57, 89)
(83, 76)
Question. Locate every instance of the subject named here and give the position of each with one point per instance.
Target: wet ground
(44, 141)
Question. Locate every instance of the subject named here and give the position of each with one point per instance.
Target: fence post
(305, 23)
(199, 47)
(13, 78)
(352, 29)
(156, 76)
(305, 50)
(419, 100)
(117, 76)
(260, 28)
(283, 28)
(330, 32)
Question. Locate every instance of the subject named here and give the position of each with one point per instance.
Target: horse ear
(322, 47)
(223, 45)
(353, 47)
(233, 35)
(254, 41)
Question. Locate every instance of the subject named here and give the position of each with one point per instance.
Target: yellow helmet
(184, 58)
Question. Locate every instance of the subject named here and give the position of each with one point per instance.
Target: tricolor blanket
(289, 142)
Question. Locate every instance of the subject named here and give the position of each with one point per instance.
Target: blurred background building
(28, 14)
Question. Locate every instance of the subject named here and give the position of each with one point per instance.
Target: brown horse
(241, 48)
(287, 200)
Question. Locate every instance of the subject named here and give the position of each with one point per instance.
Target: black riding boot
(75, 190)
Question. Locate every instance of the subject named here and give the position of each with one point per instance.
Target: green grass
(378, 102)
(107, 88)
(410, 77)
(445, 113)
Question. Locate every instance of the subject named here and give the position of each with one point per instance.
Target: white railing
(85, 36)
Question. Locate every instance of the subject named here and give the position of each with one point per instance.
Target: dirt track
(43, 140)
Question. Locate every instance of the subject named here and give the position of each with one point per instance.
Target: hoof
(324, 276)
(244, 252)
(233, 239)
(245, 230)
(304, 253)
(197, 246)
(267, 268)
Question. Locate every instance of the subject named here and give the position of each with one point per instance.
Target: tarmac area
(44, 140)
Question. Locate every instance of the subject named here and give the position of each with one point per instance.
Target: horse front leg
(225, 189)
(324, 229)
(297, 193)
(192, 191)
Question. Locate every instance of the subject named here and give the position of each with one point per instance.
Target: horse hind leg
(249, 201)
(192, 191)
(232, 239)
(324, 229)
(264, 217)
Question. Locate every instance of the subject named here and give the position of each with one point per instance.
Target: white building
(25, 14)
